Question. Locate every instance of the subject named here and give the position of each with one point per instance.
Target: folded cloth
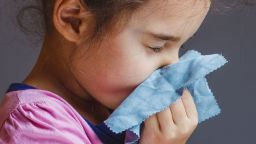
(163, 87)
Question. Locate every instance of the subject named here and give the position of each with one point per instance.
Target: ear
(71, 19)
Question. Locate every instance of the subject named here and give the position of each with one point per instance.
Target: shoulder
(33, 116)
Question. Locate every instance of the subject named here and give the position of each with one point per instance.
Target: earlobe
(67, 18)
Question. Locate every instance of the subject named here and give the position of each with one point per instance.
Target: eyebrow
(162, 36)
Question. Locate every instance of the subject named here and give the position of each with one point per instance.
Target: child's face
(111, 72)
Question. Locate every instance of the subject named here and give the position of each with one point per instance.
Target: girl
(95, 52)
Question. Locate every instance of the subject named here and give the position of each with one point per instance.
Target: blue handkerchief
(163, 87)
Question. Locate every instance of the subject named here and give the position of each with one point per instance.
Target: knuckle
(173, 136)
(169, 137)
(194, 122)
(153, 135)
(184, 131)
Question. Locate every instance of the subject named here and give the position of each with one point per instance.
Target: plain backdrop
(230, 32)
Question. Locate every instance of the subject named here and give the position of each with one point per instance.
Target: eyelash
(156, 49)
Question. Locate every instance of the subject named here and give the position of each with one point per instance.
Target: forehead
(170, 15)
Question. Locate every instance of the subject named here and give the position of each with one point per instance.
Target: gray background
(231, 32)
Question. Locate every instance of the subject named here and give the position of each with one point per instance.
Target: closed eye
(156, 49)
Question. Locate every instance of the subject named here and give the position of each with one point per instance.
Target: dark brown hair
(106, 12)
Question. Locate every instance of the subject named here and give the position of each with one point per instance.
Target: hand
(174, 125)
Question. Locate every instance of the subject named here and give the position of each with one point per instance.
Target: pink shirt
(38, 116)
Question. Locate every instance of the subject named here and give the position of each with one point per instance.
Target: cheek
(112, 73)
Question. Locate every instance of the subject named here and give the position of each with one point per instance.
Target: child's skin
(96, 78)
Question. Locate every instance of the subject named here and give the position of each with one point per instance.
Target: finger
(165, 120)
(178, 111)
(189, 105)
(152, 123)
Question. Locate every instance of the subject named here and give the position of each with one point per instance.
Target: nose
(169, 60)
